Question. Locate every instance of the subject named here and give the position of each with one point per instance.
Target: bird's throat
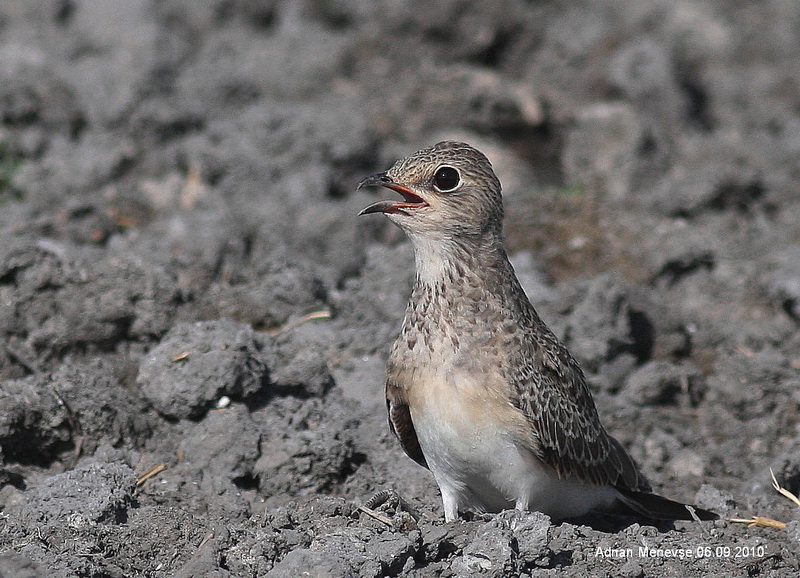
(452, 262)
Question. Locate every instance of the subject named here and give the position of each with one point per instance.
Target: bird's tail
(658, 507)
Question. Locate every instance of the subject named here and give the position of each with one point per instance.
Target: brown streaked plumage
(478, 389)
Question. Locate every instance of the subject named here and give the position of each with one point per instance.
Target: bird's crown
(428, 168)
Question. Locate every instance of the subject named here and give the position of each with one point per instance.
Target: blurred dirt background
(184, 281)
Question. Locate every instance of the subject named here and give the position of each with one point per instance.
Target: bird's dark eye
(446, 179)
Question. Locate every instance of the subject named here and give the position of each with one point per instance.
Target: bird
(478, 389)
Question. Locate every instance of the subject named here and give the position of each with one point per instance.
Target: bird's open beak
(410, 198)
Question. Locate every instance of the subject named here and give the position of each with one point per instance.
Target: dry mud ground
(184, 281)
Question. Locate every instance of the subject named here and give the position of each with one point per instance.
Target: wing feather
(401, 424)
(550, 389)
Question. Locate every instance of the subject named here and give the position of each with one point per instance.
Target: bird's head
(449, 190)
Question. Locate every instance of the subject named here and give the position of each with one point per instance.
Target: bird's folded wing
(401, 425)
(550, 389)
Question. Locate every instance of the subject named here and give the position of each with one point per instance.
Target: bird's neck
(459, 292)
(460, 262)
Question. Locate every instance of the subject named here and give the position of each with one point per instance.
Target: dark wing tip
(658, 507)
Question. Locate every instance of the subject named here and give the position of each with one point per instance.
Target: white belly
(480, 466)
